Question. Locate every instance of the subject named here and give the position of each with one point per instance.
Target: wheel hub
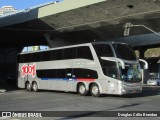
(82, 89)
(95, 90)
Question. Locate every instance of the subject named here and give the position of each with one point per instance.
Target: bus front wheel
(82, 89)
(95, 90)
(28, 86)
(35, 87)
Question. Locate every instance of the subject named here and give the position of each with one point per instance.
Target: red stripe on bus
(85, 79)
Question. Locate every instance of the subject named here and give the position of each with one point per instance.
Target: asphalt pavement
(15, 99)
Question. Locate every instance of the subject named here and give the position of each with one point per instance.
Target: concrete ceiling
(82, 20)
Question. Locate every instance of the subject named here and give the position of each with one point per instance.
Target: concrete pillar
(56, 42)
(8, 62)
(49, 40)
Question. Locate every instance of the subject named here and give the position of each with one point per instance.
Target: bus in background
(96, 68)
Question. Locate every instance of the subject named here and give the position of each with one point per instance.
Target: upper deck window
(80, 52)
(84, 52)
(103, 50)
(124, 52)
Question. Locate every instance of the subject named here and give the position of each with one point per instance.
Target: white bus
(96, 68)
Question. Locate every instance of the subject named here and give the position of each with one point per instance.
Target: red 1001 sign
(28, 70)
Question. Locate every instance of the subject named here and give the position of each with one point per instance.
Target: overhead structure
(79, 21)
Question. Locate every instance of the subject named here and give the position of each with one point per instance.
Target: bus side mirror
(143, 64)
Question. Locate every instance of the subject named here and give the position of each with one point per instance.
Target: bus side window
(90, 74)
(84, 53)
(61, 73)
(70, 53)
(46, 56)
(110, 69)
(53, 52)
(31, 57)
(20, 58)
(25, 58)
(103, 50)
(37, 57)
(69, 73)
(41, 73)
(78, 73)
(84, 73)
(59, 54)
(51, 73)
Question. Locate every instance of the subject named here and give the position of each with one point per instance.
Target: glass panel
(124, 52)
(41, 73)
(78, 73)
(51, 73)
(110, 69)
(61, 73)
(46, 56)
(69, 73)
(59, 54)
(37, 57)
(25, 58)
(131, 73)
(84, 73)
(70, 53)
(103, 50)
(84, 52)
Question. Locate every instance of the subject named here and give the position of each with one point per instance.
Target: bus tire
(95, 90)
(28, 87)
(82, 89)
(35, 87)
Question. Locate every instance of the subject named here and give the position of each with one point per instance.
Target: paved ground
(20, 100)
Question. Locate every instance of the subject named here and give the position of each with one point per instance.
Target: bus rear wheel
(28, 86)
(82, 89)
(95, 90)
(35, 87)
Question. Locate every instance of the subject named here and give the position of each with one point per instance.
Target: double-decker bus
(96, 68)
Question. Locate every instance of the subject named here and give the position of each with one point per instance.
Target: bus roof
(84, 44)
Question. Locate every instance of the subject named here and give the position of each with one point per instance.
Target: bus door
(111, 71)
(70, 80)
(112, 86)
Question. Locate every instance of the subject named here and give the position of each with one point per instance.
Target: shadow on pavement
(7, 86)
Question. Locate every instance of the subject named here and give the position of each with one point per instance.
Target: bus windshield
(131, 73)
(113, 69)
(125, 52)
